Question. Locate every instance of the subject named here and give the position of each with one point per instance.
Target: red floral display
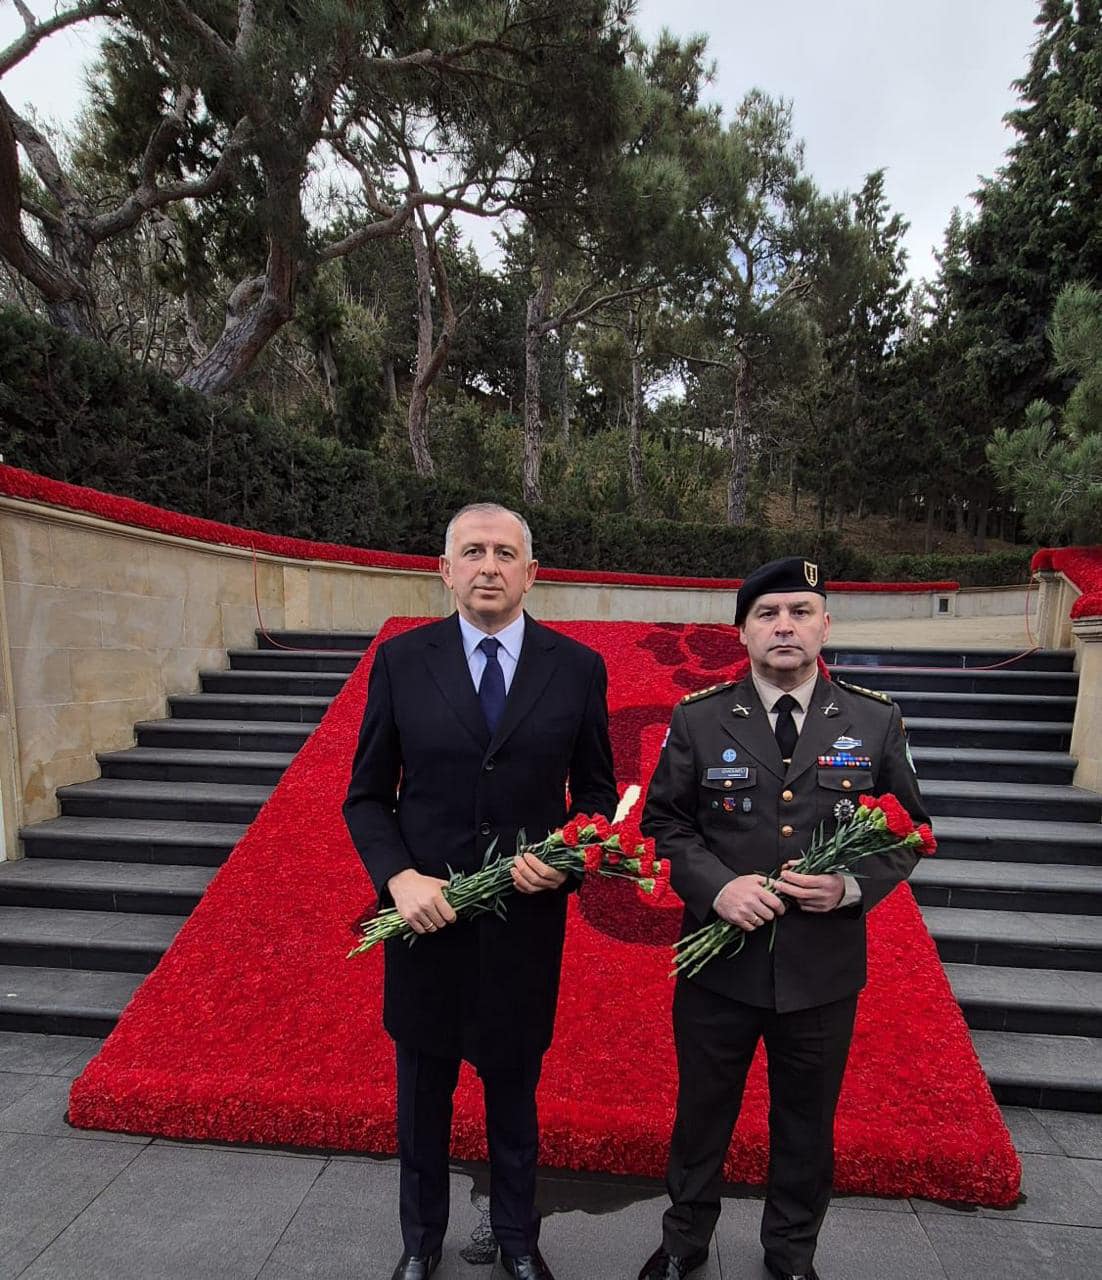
(1081, 566)
(16, 483)
(255, 1028)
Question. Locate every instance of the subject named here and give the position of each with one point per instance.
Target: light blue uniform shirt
(511, 639)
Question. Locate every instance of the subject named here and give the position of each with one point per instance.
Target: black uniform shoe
(672, 1266)
(412, 1267)
(779, 1273)
(529, 1266)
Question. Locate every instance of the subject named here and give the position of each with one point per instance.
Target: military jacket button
(728, 783)
(846, 784)
(786, 830)
(787, 795)
(485, 829)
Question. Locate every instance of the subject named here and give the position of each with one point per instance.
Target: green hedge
(82, 412)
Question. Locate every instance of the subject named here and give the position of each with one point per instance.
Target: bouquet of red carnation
(583, 845)
(880, 824)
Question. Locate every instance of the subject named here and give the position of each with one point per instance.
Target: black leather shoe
(778, 1272)
(529, 1266)
(672, 1266)
(412, 1267)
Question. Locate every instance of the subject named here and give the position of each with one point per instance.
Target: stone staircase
(1013, 900)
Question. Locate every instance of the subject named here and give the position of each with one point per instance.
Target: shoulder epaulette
(707, 693)
(865, 693)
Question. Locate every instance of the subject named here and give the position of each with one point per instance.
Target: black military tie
(786, 730)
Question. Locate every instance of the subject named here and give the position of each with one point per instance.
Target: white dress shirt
(511, 639)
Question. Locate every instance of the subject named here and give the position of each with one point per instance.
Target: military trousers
(806, 1053)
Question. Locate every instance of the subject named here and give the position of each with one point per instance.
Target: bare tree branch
(37, 31)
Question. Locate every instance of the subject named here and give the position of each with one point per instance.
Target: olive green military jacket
(722, 804)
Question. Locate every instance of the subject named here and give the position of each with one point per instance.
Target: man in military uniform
(748, 772)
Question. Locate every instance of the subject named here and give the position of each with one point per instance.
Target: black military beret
(790, 574)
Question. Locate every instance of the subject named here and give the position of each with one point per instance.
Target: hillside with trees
(271, 207)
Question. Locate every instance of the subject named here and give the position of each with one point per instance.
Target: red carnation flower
(570, 833)
(601, 823)
(929, 844)
(592, 854)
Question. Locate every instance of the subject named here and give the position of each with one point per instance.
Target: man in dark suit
(474, 728)
(748, 772)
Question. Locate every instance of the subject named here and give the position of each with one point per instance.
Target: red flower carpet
(255, 1028)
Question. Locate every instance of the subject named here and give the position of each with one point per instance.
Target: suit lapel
(746, 721)
(826, 720)
(448, 666)
(534, 669)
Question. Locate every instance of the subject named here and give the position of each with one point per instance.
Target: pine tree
(1040, 221)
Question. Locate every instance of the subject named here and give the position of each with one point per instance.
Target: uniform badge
(811, 573)
(730, 804)
(747, 804)
(846, 744)
(844, 809)
(730, 755)
(740, 710)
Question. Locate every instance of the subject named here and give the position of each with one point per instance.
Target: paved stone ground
(103, 1206)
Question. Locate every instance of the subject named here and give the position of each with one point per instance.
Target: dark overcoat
(722, 804)
(430, 789)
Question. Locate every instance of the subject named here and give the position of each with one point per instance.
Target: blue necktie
(491, 688)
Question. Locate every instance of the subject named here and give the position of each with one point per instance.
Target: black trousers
(425, 1087)
(807, 1050)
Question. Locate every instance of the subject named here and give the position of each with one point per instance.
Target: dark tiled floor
(116, 1207)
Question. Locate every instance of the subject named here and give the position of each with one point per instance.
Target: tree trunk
(739, 445)
(564, 385)
(536, 313)
(635, 418)
(390, 385)
(928, 532)
(256, 311)
(327, 367)
(979, 534)
(418, 418)
(794, 488)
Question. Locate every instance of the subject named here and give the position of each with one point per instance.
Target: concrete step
(982, 764)
(1026, 939)
(1003, 840)
(124, 942)
(1007, 659)
(83, 885)
(242, 706)
(71, 1002)
(165, 801)
(1011, 800)
(199, 844)
(293, 660)
(1049, 1001)
(985, 706)
(255, 768)
(1052, 1072)
(961, 680)
(224, 735)
(283, 684)
(981, 733)
(1008, 886)
(350, 641)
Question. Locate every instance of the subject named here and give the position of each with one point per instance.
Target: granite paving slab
(40, 1055)
(47, 1182)
(975, 1248)
(182, 1214)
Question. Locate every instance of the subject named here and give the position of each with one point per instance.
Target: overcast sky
(916, 87)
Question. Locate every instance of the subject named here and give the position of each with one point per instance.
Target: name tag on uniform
(727, 774)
